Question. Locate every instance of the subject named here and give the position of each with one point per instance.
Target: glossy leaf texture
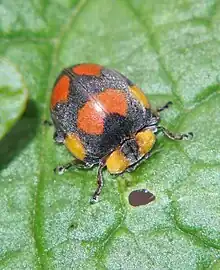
(171, 50)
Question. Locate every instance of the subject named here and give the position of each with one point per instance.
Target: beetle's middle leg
(75, 163)
(59, 136)
(160, 109)
(166, 106)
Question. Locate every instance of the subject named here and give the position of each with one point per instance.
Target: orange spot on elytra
(60, 91)
(140, 96)
(75, 146)
(91, 115)
(145, 140)
(87, 69)
(117, 162)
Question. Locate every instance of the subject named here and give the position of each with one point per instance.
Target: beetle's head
(130, 152)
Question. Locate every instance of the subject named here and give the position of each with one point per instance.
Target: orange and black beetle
(103, 118)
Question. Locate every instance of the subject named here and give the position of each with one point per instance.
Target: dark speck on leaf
(140, 197)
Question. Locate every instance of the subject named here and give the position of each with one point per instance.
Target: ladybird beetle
(103, 118)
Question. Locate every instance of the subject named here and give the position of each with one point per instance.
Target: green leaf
(171, 50)
(13, 96)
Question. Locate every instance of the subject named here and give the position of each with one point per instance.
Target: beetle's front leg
(100, 182)
(173, 136)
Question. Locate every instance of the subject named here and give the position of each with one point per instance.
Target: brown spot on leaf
(140, 197)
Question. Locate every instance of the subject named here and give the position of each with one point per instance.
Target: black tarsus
(47, 123)
(166, 106)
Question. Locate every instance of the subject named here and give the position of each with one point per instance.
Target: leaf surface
(171, 50)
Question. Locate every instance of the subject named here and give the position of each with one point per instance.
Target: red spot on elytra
(87, 69)
(60, 91)
(91, 115)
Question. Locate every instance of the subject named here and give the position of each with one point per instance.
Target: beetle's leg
(156, 113)
(75, 163)
(47, 123)
(166, 106)
(174, 136)
(100, 183)
(59, 136)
